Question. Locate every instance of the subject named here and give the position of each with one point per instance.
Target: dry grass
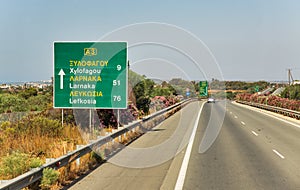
(49, 146)
(54, 147)
(35, 145)
(41, 146)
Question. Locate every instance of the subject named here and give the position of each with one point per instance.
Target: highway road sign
(90, 75)
(203, 88)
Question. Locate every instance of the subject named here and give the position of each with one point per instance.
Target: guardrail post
(78, 159)
(48, 160)
(4, 181)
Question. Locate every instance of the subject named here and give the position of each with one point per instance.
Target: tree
(292, 92)
(165, 89)
(134, 78)
(28, 92)
(180, 86)
(143, 91)
(39, 102)
(12, 103)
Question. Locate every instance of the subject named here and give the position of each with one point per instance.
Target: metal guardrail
(32, 176)
(283, 111)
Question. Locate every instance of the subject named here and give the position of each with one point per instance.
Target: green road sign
(90, 75)
(203, 88)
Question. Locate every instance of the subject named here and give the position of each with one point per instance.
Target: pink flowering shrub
(270, 100)
(161, 102)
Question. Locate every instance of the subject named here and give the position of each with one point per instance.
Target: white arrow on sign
(61, 74)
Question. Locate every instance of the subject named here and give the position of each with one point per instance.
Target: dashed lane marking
(278, 154)
(254, 133)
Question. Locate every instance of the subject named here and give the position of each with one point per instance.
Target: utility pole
(290, 77)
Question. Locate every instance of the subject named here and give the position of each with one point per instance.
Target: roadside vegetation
(25, 100)
(292, 92)
(288, 99)
(229, 89)
(271, 101)
(31, 130)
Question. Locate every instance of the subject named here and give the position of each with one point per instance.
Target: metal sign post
(62, 117)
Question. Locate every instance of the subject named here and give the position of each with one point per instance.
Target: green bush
(4, 125)
(50, 177)
(35, 162)
(24, 101)
(38, 125)
(16, 164)
(292, 92)
(12, 103)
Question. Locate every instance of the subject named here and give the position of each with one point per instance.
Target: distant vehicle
(211, 100)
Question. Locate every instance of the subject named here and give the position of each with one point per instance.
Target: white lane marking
(235, 117)
(263, 112)
(243, 123)
(254, 133)
(278, 154)
(185, 162)
(230, 112)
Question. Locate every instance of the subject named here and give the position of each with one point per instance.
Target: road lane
(277, 134)
(252, 151)
(240, 160)
(176, 129)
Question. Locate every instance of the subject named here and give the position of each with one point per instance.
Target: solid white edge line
(185, 162)
(254, 133)
(278, 154)
(260, 111)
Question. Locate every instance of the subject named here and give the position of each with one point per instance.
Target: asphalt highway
(249, 150)
(252, 151)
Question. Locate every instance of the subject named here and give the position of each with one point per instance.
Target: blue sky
(251, 40)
